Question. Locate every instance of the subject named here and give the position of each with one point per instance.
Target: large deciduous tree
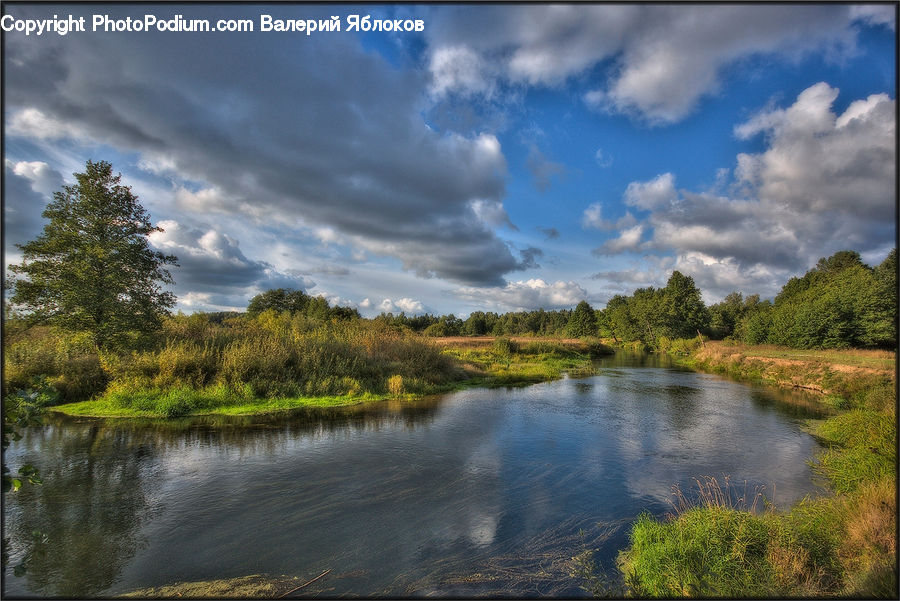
(92, 268)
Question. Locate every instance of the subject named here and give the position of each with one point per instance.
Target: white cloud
(823, 183)
(404, 305)
(664, 58)
(593, 216)
(206, 200)
(33, 123)
(875, 14)
(492, 213)
(603, 159)
(628, 240)
(653, 194)
(526, 295)
(817, 161)
(213, 272)
(461, 70)
(44, 179)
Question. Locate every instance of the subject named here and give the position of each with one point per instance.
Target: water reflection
(91, 512)
(464, 493)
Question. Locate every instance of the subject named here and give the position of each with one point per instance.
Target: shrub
(186, 364)
(504, 346)
(395, 385)
(82, 377)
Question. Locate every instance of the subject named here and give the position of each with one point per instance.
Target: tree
(683, 311)
(724, 316)
(582, 321)
(92, 269)
(280, 300)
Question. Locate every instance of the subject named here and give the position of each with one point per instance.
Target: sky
(505, 157)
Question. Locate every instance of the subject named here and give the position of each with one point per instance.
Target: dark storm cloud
(290, 128)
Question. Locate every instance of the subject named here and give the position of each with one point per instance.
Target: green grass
(706, 552)
(861, 448)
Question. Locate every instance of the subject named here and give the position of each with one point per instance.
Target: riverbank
(841, 544)
(481, 362)
(845, 379)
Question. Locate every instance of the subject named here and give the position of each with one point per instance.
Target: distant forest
(839, 303)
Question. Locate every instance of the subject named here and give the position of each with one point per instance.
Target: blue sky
(504, 158)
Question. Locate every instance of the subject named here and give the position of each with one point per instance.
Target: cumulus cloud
(401, 305)
(366, 165)
(653, 194)
(821, 162)
(627, 240)
(525, 295)
(43, 178)
(213, 270)
(663, 59)
(592, 218)
(460, 70)
(824, 182)
(33, 123)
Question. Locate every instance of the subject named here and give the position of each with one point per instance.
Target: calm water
(478, 492)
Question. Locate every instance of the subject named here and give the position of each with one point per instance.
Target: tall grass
(196, 365)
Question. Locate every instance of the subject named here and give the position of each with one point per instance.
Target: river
(480, 492)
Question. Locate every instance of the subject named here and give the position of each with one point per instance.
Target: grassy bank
(842, 544)
(521, 361)
(846, 379)
(272, 362)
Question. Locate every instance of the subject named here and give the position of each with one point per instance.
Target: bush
(504, 346)
(186, 364)
(395, 385)
(82, 377)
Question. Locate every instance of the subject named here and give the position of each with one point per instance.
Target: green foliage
(280, 300)
(725, 317)
(91, 269)
(678, 346)
(705, 552)
(582, 321)
(840, 303)
(480, 323)
(651, 314)
(505, 347)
